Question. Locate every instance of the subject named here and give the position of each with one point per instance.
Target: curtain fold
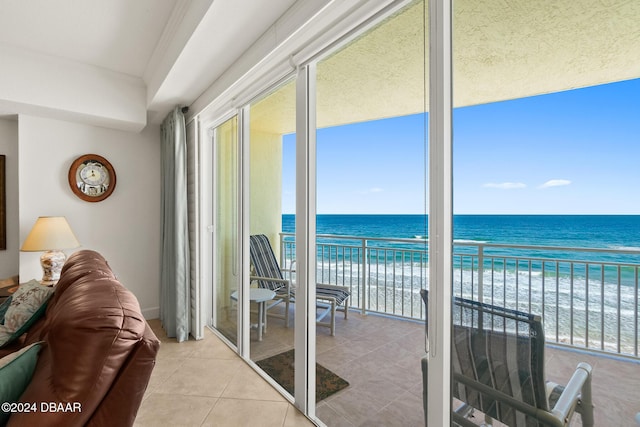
(174, 274)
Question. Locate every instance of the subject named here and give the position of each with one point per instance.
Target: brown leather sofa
(98, 353)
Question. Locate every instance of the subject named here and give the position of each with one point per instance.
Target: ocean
(582, 231)
(586, 297)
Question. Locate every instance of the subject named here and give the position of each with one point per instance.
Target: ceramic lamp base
(52, 262)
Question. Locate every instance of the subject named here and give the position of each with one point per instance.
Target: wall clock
(92, 178)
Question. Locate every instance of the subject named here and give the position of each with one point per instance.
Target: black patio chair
(497, 359)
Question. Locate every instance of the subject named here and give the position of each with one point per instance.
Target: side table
(260, 296)
(7, 291)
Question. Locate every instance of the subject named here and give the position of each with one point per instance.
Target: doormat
(280, 368)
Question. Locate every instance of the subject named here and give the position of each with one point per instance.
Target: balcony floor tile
(380, 357)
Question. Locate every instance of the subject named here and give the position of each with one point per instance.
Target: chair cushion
(340, 293)
(264, 262)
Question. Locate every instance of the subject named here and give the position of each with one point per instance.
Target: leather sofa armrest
(129, 388)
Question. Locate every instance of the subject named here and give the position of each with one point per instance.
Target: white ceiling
(119, 35)
(177, 48)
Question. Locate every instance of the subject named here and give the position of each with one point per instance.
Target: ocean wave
(624, 248)
(474, 241)
(590, 313)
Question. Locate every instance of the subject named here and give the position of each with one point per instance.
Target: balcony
(205, 383)
(379, 356)
(587, 298)
(378, 348)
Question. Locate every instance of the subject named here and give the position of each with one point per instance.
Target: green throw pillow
(16, 371)
(4, 307)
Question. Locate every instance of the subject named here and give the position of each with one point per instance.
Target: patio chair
(497, 359)
(329, 298)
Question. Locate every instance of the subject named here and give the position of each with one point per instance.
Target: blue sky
(573, 152)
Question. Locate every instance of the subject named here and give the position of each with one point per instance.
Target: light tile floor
(205, 383)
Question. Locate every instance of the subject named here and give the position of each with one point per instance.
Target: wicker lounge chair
(269, 275)
(497, 359)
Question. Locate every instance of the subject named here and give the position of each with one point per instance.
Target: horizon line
(486, 214)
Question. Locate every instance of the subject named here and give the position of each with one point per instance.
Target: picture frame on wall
(3, 205)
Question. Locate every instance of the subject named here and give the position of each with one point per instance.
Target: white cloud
(505, 185)
(555, 183)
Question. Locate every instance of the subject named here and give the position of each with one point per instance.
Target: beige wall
(266, 186)
(9, 258)
(125, 228)
(265, 201)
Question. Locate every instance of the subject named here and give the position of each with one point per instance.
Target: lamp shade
(48, 233)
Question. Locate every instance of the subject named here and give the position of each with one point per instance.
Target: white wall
(124, 228)
(9, 147)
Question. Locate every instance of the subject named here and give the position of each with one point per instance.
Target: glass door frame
(208, 187)
(244, 206)
(440, 218)
(440, 212)
(305, 316)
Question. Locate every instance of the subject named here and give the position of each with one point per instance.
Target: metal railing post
(480, 272)
(365, 277)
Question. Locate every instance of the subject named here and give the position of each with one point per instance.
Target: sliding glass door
(225, 229)
(371, 223)
(365, 154)
(271, 193)
(546, 124)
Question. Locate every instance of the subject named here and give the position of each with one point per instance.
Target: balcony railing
(588, 298)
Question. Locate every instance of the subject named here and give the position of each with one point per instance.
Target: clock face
(92, 178)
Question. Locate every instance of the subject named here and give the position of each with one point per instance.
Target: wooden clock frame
(73, 183)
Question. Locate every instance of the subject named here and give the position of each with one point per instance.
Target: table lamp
(50, 234)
